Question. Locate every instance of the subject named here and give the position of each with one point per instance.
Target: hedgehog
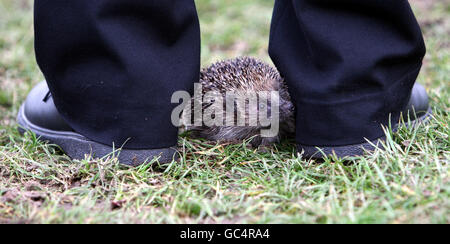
(251, 83)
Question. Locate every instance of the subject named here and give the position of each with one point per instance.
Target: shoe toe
(41, 110)
(418, 105)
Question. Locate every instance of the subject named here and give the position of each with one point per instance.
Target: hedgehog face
(246, 78)
(287, 108)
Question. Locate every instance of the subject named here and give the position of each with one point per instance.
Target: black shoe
(39, 115)
(418, 110)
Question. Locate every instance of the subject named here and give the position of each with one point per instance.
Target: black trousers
(113, 65)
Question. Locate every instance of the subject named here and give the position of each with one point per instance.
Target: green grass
(406, 183)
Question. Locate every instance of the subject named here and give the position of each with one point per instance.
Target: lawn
(213, 183)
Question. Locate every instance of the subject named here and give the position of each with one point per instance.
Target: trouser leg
(113, 65)
(350, 65)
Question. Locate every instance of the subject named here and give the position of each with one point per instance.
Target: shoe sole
(353, 150)
(77, 146)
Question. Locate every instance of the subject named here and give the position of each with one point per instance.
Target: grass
(213, 183)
